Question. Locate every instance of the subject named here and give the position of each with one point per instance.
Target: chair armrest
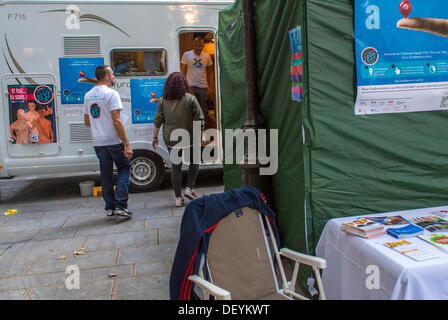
(215, 291)
(304, 258)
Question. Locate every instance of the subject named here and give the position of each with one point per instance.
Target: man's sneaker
(190, 194)
(123, 213)
(179, 202)
(110, 214)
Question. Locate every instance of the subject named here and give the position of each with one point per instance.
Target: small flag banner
(296, 63)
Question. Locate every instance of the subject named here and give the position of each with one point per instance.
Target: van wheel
(147, 171)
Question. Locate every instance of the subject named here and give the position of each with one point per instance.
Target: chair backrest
(238, 256)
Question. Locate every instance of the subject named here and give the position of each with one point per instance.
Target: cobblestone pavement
(121, 259)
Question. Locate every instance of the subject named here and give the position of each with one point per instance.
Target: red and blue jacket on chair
(201, 217)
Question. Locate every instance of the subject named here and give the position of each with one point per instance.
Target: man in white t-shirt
(197, 66)
(102, 107)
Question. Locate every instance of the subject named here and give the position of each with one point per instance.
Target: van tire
(147, 171)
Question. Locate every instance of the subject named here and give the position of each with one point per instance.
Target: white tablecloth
(348, 258)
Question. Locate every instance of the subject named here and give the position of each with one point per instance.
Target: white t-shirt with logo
(98, 104)
(197, 68)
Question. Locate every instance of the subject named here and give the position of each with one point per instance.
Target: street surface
(55, 228)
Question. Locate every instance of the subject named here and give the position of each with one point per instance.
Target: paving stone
(156, 223)
(32, 224)
(47, 206)
(86, 220)
(3, 248)
(92, 202)
(102, 226)
(135, 198)
(12, 295)
(159, 203)
(14, 267)
(43, 248)
(142, 288)
(211, 190)
(31, 281)
(178, 211)
(68, 212)
(28, 205)
(94, 290)
(164, 194)
(152, 268)
(133, 205)
(156, 212)
(89, 260)
(20, 215)
(122, 240)
(153, 253)
(169, 235)
(58, 233)
(54, 221)
(17, 237)
(103, 273)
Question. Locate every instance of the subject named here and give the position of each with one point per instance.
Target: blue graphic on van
(71, 70)
(143, 91)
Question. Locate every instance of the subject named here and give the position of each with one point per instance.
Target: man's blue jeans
(108, 156)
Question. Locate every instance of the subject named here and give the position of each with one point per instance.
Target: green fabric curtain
(361, 164)
(349, 165)
(273, 21)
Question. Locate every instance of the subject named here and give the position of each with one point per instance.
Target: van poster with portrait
(32, 114)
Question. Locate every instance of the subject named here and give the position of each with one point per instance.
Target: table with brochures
(366, 269)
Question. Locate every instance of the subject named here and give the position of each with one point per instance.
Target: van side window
(139, 62)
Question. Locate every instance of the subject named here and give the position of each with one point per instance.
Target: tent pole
(254, 120)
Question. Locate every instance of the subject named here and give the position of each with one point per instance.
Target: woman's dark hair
(176, 86)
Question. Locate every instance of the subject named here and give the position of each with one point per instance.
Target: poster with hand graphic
(77, 75)
(401, 56)
(145, 94)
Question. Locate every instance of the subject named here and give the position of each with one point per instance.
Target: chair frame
(288, 287)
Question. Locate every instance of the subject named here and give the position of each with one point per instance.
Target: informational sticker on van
(144, 96)
(72, 70)
(31, 114)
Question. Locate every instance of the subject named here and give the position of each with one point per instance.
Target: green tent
(347, 165)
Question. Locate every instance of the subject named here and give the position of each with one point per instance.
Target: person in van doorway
(178, 108)
(197, 66)
(102, 107)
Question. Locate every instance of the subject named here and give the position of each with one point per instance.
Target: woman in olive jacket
(177, 109)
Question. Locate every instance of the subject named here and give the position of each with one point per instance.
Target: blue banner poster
(401, 56)
(77, 76)
(144, 96)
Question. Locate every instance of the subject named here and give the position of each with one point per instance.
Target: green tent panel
(349, 165)
(273, 21)
(361, 164)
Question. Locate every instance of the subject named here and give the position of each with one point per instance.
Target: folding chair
(240, 262)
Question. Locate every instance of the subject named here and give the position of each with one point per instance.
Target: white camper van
(50, 47)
